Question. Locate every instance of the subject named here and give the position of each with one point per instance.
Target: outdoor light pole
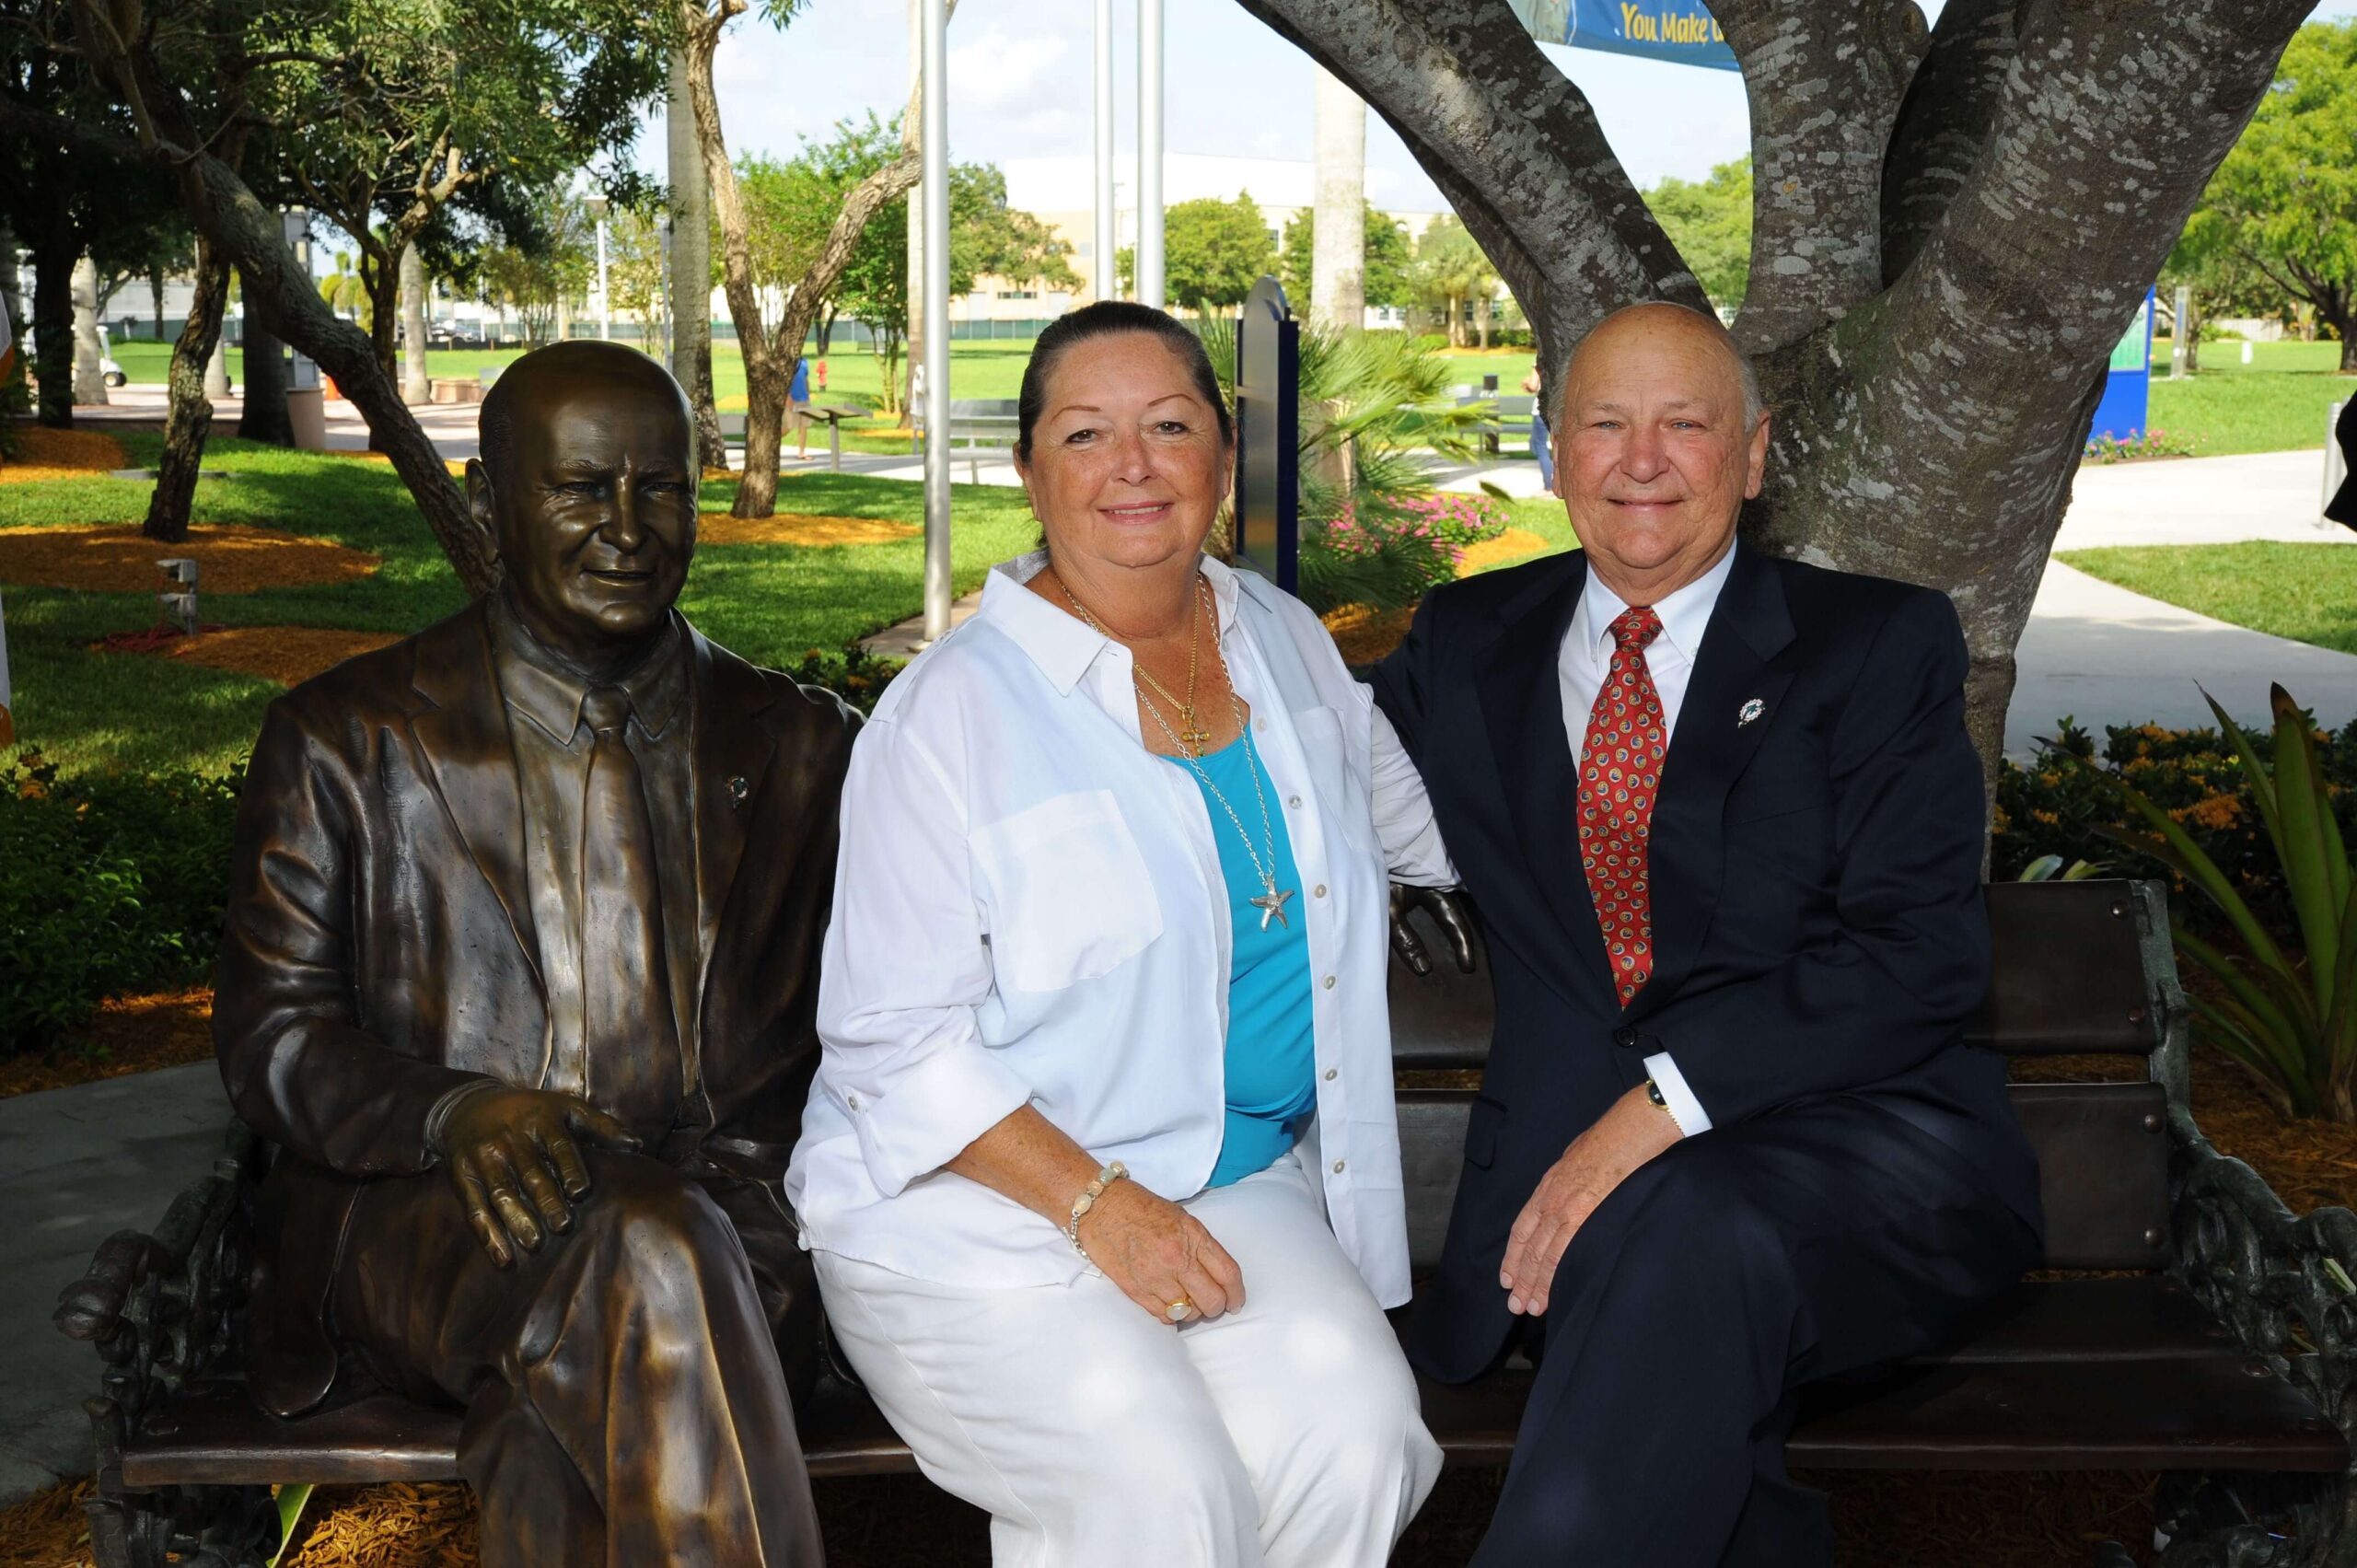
(596, 206)
(1149, 258)
(1104, 279)
(936, 319)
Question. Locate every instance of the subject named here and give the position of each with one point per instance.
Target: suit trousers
(1285, 1433)
(1824, 1238)
(624, 1397)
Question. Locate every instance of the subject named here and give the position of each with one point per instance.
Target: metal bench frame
(164, 1314)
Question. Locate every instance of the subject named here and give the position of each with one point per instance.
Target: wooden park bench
(2185, 1322)
(976, 423)
(1510, 415)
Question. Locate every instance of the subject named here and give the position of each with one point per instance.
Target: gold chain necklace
(1272, 900)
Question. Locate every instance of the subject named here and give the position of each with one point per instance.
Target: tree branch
(1944, 123)
(1825, 84)
(1513, 146)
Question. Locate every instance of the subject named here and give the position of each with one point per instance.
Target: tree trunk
(690, 220)
(1338, 226)
(915, 220)
(156, 296)
(764, 429)
(192, 411)
(382, 286)
(2181, 335)
(89, 378)
(1949, 246)
(417, 386)
(265, 417)
(2193, 335)
(52, 356)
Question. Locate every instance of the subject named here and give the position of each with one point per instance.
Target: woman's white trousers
(1282, 1435)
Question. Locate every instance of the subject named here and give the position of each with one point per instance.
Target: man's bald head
(1660, 439)
(1663, 317)
(526, 387)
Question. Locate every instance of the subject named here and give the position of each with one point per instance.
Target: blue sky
(1019, 85)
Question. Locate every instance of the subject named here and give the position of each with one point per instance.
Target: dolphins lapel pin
(1749, 711)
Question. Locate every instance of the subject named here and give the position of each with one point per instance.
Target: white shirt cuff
(1684, 1108)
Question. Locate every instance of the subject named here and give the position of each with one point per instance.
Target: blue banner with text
(1677, 30)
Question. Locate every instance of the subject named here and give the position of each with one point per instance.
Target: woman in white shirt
(1100, 1169)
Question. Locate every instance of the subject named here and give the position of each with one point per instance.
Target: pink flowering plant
(2106, 448)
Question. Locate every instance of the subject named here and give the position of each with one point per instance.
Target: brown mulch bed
(118, 558)
(1512, 545)
(794, 528)
(1363, 635)
(288, 654)
(130, 1034)
(44, 453)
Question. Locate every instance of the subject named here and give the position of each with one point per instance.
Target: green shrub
(108, 884)
(855, 675)
(2205, 807)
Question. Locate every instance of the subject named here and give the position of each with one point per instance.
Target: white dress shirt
(1580, 666)
(1029, 909)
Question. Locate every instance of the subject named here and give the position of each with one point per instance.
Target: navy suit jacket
(1818, 929)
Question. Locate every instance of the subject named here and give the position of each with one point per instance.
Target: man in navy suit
(1723, 823)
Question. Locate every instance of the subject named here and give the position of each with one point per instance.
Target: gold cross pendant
(1193, 740)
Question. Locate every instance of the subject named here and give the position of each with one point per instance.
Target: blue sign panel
(2127, 391)
(1677, 30)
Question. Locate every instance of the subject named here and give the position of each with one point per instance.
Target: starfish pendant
(1273, 902)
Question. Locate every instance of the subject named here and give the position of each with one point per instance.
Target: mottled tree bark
(191, 419)
(771, 355)
(53, 346)
(1950, 233)
(417, 385)
(89, 378)
(264, 417)
(690, 220)
(1337, 223)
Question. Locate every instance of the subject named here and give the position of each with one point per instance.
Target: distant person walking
(1542, 442)
(797, 408)
(2342, 507)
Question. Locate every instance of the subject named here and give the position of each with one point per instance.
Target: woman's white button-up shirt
(1029, 909)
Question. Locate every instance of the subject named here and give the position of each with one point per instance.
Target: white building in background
(1060, 191)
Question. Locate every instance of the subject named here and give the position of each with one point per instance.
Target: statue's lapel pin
(1750, 710)
(737, 790)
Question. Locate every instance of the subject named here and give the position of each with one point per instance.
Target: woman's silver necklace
(1272, 899)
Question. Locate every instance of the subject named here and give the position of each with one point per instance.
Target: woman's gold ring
(1178, 1309)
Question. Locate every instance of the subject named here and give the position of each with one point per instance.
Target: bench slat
(2070, 981)
(2145, 1318)
(2206, 1413)
(2102, 1151)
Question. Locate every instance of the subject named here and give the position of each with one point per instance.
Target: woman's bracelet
(1117, 1171)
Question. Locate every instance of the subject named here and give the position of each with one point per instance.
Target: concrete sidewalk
(76, 1166)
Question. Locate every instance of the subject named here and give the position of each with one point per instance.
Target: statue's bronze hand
(513, 1160)
(1450, 912)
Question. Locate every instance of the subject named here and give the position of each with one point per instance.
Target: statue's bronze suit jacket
(380, 949)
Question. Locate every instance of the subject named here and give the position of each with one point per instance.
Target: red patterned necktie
(1619, 777)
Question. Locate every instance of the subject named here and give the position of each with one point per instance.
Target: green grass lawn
(2276, 403)
(2305, 592)
(89, 710)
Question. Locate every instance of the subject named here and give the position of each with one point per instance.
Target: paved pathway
(75, 1165)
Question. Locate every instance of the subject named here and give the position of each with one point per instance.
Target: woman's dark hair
(1103, 319)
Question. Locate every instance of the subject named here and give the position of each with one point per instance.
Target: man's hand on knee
(1600, 1159)
(514, 1163)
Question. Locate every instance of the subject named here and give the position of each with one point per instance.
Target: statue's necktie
(1619, 778)
(631, 1039)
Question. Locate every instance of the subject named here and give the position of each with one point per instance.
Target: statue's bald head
(587, 492)
(529, 388)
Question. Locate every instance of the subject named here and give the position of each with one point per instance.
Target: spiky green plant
(2290, 1019)
(1385, 399)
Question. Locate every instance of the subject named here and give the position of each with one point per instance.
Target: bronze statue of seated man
(518, 977)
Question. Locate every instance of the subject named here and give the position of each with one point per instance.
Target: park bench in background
(977, 423)
(2185, 1322)
(732, 429)
(1510, 416)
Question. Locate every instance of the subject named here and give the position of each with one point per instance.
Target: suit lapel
(463, 733)
(1521, 704)
(1712, 745)
(733, 760)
